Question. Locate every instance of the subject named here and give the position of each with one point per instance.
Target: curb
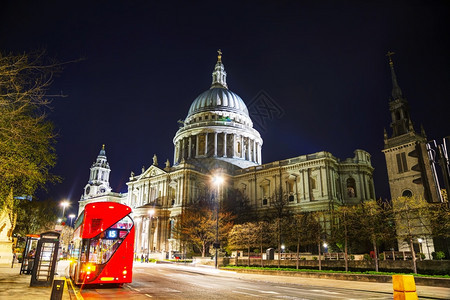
(424, 281)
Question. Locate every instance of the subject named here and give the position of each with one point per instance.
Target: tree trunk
(320, 259)
(298, 252)
(279, 243)
(411, 246)
(346, 251)
(262, 264)
(374, 243)
(248, 264)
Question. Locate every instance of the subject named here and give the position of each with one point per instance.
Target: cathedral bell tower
(99, 177)
(405, 151)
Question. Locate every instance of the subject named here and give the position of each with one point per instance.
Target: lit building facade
(217, 135)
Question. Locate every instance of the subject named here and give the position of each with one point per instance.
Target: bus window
(84, 250)
(125, 223)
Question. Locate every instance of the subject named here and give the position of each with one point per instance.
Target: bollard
(57, 289)
(404, 287)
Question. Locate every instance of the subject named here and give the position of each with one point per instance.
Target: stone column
(183, 146)
(242, 147)
(247, 156)
(215, 144)
(254, 150)
(196, 145)
(190, 146)
(224, 144)
(259, 153)
(206, 144)
(233, 145)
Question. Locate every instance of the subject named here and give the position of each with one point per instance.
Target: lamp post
(151, 212)
(218, 181)
(64, 204)
(71, 216)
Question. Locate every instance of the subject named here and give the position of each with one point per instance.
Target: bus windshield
(100, 249)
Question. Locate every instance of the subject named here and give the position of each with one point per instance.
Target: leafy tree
(244, 236)
(35, 217)
(412, 220)
(238, 204)
(440, 225)
(27, 138)
(298, 232)
(197, 223)
(343, 229)
(280, 217)
(197, 226)
(262, 237)
(315, 231)
(373, 219)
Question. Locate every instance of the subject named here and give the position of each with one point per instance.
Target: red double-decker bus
(103, 245)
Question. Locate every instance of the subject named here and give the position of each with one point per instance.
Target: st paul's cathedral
(217, 136)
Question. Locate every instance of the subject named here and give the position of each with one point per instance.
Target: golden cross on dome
(220, 54)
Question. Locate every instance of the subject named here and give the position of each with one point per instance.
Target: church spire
(396, 91)
(401, 121)
(219, 75)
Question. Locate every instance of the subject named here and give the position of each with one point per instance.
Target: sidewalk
(15, 286)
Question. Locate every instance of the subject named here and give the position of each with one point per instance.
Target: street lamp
(59, 221)
(71, 216)
(218, 181)
(420, 244)
(325, 246)
(64, 204)
(151, 212)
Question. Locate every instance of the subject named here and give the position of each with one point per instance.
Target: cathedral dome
(218, 99)
(218, 129)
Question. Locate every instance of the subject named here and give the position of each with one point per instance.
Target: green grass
(332, 271)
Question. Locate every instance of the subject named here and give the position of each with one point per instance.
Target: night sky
(322, 62)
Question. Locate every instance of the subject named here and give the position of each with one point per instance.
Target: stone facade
(218, 136)
(407, 160)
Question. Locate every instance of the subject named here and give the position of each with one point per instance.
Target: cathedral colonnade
(218, 145)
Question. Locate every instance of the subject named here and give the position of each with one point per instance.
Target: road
(167, 281)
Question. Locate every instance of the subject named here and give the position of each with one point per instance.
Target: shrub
(302, 258)
(367, 257)
(381, 256)
(314, 257)
(422, 256)
(352, 257)
(440, 255)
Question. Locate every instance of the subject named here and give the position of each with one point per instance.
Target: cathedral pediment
(152, 171)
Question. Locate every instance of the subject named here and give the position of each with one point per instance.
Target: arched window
(407, 193)
(291, 188)
(351, 188)
(265, 190)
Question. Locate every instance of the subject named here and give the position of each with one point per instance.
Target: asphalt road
(164, 281)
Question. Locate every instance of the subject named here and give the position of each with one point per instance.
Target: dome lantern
(219, 75)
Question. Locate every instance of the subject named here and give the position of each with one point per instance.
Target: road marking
(326, 292)
(244, 293)
(260, 291)
(150, 296)
(133, 289)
